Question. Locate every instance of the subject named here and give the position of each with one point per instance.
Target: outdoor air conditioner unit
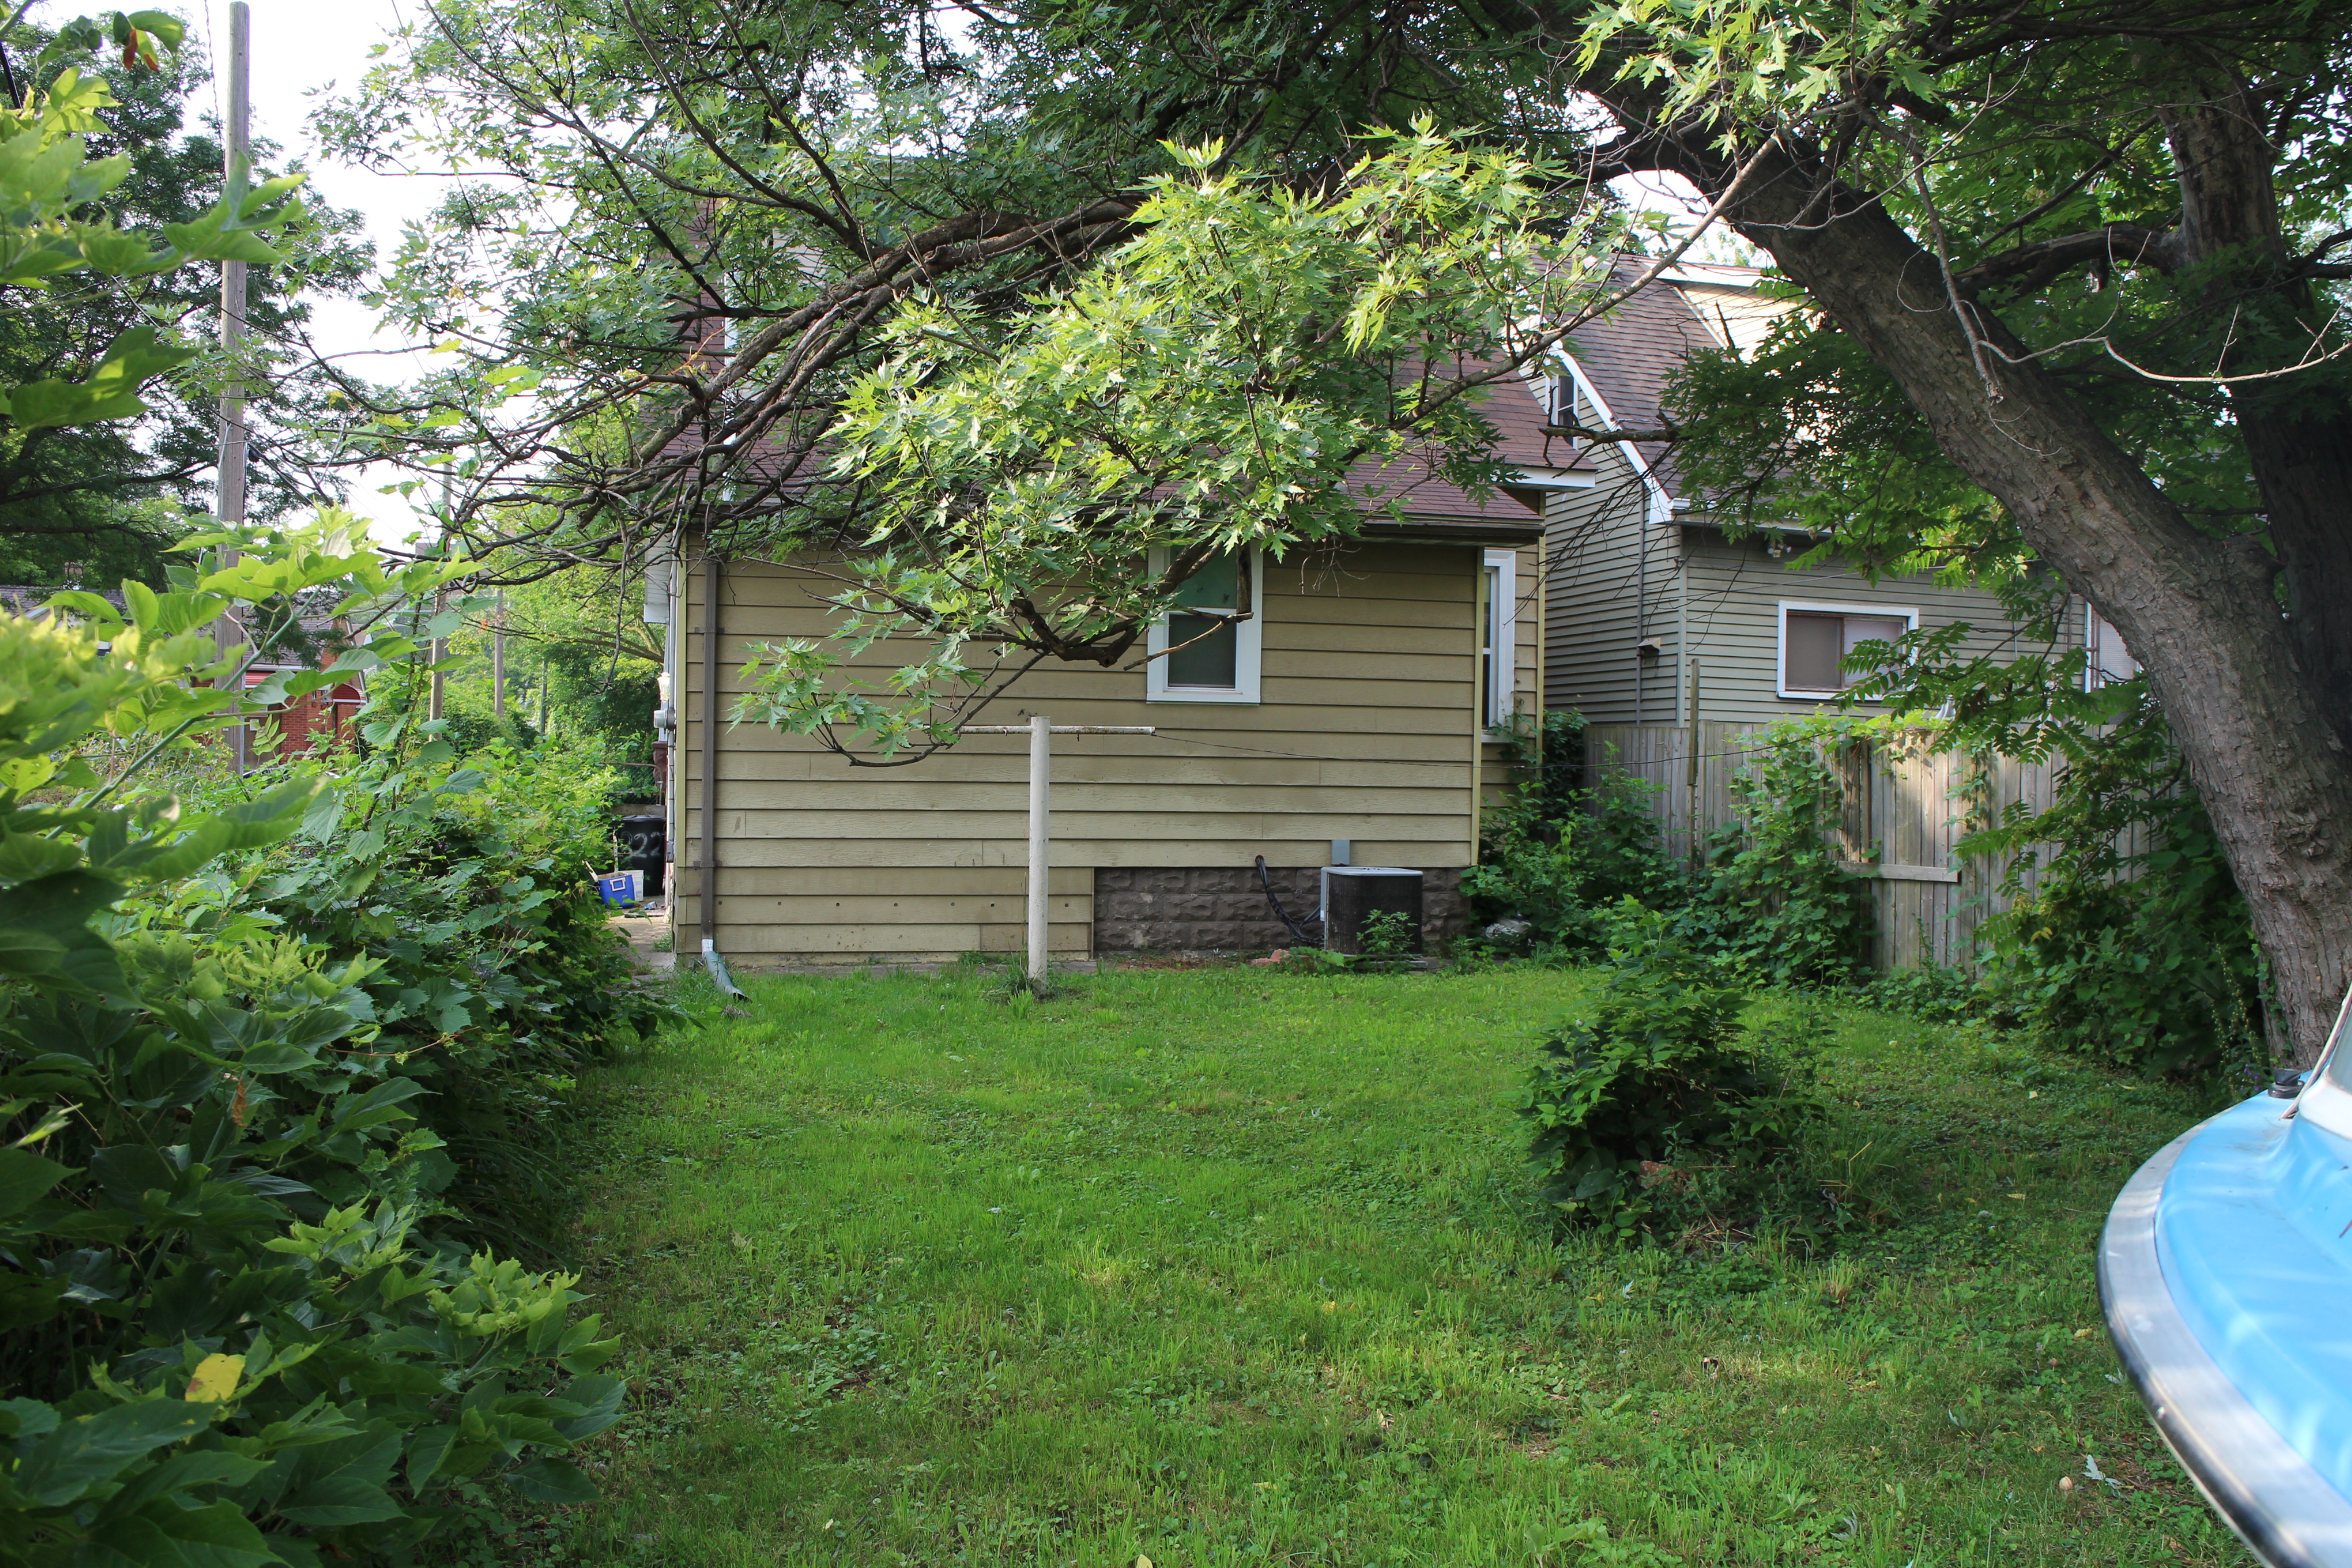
(1351, 894)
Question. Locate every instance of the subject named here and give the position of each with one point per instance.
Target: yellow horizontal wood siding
(1366, 730)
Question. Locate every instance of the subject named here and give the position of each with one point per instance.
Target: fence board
(1904, 814)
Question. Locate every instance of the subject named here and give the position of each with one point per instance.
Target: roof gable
(1630, 352)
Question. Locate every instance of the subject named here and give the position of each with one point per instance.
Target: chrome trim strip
(2281, 1508)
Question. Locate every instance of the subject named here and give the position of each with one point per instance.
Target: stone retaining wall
(1224, 911)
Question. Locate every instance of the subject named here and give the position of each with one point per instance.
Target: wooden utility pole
(238, 136)
(439, 651)
(1690, 777)
(437, 692)
(228, 504)
(1041, 731)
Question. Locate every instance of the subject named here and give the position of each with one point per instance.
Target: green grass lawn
(1227, 1266)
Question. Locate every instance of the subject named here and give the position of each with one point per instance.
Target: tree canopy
(112, 496)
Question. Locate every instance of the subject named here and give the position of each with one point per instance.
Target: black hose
(1298, 932)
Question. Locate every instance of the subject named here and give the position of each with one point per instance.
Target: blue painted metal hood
(2226, 1273)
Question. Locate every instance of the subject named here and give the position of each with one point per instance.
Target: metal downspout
(710, 590)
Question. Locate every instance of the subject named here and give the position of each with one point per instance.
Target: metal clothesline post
(1041, 731)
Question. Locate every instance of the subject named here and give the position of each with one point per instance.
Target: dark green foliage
(1556, 859)
(1388, 935)
(604, 693)
(1772, 897)
(1544, 760)
(2133, 945)
(1775, 902)
(1938, 993)
(2127, 939)
(271, 1066)
(1652, 1112)
(465, 879)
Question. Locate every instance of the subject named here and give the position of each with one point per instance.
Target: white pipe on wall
(1041, 731)
(1041, 784)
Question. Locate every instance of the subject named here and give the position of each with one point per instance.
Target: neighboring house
(1351, 719)
(1648, 601)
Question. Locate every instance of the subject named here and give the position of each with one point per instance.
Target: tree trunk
(2255, 700)
(2200, 614)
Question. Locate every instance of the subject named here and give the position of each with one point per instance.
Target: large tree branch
(2030, 267)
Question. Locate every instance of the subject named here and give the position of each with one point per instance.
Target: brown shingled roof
(1513, 407)
(1628, 353)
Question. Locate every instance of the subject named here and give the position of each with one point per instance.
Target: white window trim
(1781, 638)
(2093, 676)
(1248, 639)
(1504, 565)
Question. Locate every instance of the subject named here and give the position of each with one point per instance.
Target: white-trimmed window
(1560, 410)
(1816, 638)
(2109, 659)
(1498, 636)
(1206, 649)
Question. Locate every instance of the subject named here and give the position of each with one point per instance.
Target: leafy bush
(2126, 938)
(1559, 875)
(1938, 993)
(1651, 1109)
(237, 1320)
(1775, 901)
(499, 978)
(1388, 935)
(2133, 945)
(1771, 898)
(1543, 758)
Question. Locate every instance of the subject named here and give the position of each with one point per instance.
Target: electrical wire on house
(1297, 932)
(1162, 733)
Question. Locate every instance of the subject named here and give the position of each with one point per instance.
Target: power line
(1164, 734)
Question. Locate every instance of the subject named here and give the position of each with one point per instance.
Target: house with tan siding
(1353, 717)
(1654, 612)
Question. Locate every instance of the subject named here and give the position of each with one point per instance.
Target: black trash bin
(644, 843)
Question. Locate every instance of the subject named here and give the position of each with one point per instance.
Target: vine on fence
(1769, 896)
(2124, 936)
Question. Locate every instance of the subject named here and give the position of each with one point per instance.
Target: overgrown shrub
(2132, 945)
(1775, 901)
(1653, 1111)
(466, 878)
(1771, 898)
(1938, 993)
(239, 1321)
(1557, 875)
(1543, 759)
(2126, 939)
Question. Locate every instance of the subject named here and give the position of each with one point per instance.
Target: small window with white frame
(1817, 639)
(1560, 411)
(1206, 648)
(1559, 406)
(1498, 636)
(2107, 659)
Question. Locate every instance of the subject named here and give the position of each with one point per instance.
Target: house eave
(1457, 531)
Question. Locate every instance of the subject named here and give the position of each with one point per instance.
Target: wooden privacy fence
(1901, 820)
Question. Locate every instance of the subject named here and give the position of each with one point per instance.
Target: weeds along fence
(1904, 813)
